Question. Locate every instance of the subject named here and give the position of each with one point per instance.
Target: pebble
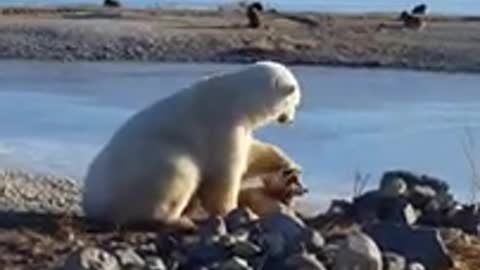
(415, 266)
(304, 261)
(91, 259)
(154, 263)
(235, 263)
(129, 258)
(239, 218)
(393, 261)
(245, 249)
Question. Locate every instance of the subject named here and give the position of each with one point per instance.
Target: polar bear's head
(269, 92)
(255, 95)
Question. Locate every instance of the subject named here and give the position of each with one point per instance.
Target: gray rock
(304, 261)
(154, 263)
(415, 266)
(422, 196)
(397, 210)
(227, 241)
(147, 250)
(423, 245)
(412, 180)
(245, 249)
(313, 240)
(374, 206)
(466, 219)
(274, 243)
(422, 189)
(286, 224)
(205, 252)
(235, 263)
(129, 258)
(339, 207)
(425, 191)
(241, 235)
(358, 251)
(393, 261)
(330, 251)
(214, 225)
(239, 218)
(393, 187)
(366, 206)
(91, 259)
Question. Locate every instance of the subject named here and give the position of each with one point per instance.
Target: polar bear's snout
(288, 116)
(284, 118)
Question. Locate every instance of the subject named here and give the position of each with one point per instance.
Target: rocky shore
(95, 34)
(409, 222)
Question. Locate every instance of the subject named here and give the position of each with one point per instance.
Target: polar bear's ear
(284, 87)
(289, 89)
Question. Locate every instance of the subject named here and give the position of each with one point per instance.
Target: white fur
(196, 141)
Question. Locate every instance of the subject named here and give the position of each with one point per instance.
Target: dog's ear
(293, 179)
(267, 180)
(290, 171)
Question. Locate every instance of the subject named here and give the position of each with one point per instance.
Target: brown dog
(276, 193)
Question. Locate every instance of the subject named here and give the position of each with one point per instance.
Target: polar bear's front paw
(183, 224)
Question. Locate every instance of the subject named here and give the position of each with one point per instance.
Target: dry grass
(360, 182)
(470, 151)
(464, 249)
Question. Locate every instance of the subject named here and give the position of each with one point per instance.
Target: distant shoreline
(448, 43)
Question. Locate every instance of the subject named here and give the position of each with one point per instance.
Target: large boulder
(286, 225)
(427, 194)
(397, 210)
(376, 206)
(358, 251)
(366, 206)
(422, 245)
(412, 180)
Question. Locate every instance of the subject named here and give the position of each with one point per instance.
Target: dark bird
(253, 14)
(419, 9)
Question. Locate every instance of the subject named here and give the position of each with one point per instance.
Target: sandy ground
(446, 44)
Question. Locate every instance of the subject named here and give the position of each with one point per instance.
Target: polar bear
(194, 143)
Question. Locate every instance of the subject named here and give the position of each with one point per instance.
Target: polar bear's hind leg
(222, 197)
(177, 183)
